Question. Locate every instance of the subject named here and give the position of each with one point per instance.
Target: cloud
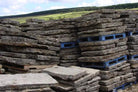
(124, 1)
(6, 11)
(66, 1)
(38, 8)
(10, 7)
(84, 4)
(38, 1)
(56, 7)
(103, 2)
(10, 3)
(111, 2)
(106, 2)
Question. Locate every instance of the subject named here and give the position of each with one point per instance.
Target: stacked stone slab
(130, 18)
(33, 28)
(61, 31)
(19, 49)
(37, 82)
(97, 50)
(113, 78)
(75, 79)
(65, 31)
(99, 24)
(32, 25)
(133, 54)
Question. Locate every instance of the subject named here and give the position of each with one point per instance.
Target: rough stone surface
(26, 80)
(65, 73)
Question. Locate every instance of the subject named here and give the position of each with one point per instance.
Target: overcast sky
(13, 7)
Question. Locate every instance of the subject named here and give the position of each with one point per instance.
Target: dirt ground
(133, 88)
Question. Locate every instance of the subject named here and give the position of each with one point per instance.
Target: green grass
(54, 16)
(134, 9)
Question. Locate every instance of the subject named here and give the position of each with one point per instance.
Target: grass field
(54, 16)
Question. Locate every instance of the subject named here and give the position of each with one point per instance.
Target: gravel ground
(133, 88)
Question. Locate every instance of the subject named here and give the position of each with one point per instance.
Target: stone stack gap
(65, 33)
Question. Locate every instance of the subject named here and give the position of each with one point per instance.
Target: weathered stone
(69, 51)
(116, 65)
(107, 11)
(24, 81)
(63, 88)
(111, 16)
(102, 58)
(133, 47)
(90, 34)
(100, 31)
(67, 39)
(108, 88)
(53, 32)
(107, 25)
(133, 43)
(68, 63)
(104, 52)
(121, 44)
(122, 67)
(38, 90)
(110, 81)
(18, 61)
(70, 57)
(27, 50)
(92, 20)
(8, 21)
(133, 62)
(12, 54)
(17, 39)
(98, 43)
(133, 52)
(105, 75)
(50, 58)
(65, 73)
(89, 48)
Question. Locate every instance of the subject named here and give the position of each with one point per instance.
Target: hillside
(78, 9)
(53, 16)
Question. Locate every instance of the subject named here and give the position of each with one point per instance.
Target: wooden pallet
(24, 68)
(36, 67)
(12, 69)
(0, 66)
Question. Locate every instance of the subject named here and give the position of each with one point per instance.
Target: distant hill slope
(78, 9)
(53, 16)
